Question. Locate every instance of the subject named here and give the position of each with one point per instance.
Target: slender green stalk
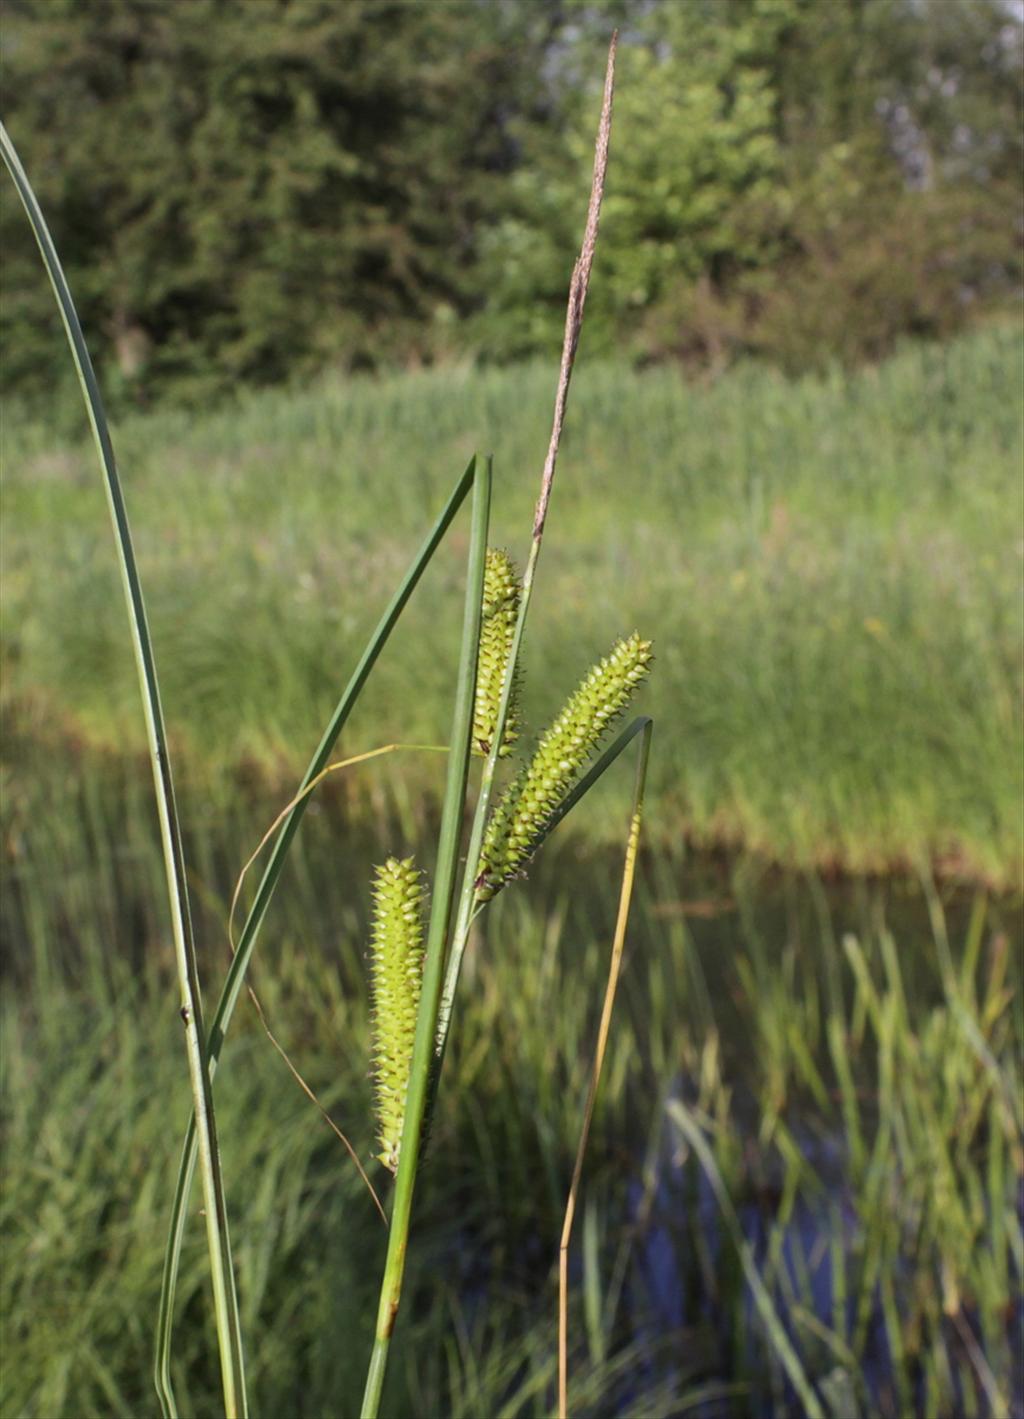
(467, 896)
(247, 940)
(437, 935)
(614, 971)
(578, 287)
(218, 1242)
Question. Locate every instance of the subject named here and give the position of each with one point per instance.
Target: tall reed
(219, 1246)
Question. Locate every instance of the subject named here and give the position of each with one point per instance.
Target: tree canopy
(249, 190)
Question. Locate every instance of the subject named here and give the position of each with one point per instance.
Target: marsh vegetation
(823, 973)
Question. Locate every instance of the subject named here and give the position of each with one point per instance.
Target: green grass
(851, 1055)
(830, 569)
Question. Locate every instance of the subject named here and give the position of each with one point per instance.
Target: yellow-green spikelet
(525, 809)
(397, 974)
(502, 589)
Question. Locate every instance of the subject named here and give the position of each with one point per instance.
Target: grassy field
(830, 570)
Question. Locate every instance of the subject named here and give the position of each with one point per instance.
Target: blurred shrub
(795, 180)
(852, 283)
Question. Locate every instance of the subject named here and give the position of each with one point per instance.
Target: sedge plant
(536, 800)
(416, 962)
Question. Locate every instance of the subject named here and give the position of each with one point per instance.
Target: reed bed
(864, 1140)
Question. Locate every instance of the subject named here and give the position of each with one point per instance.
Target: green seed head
(397, 973)
(500, 610)
(521, 818)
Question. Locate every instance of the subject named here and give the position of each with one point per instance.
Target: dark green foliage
(248, 190)
(245, 190)
(791, 178)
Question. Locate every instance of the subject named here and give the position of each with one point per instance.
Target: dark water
(804, 1248)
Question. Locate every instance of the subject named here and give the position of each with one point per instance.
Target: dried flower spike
(522, 816)
(502, 589)
(397, 972)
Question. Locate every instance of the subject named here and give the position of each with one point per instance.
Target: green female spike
(520, 820)
(502, 589)
(397, 969)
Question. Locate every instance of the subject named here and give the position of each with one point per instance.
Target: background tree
(794, 179)
(250, 190)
